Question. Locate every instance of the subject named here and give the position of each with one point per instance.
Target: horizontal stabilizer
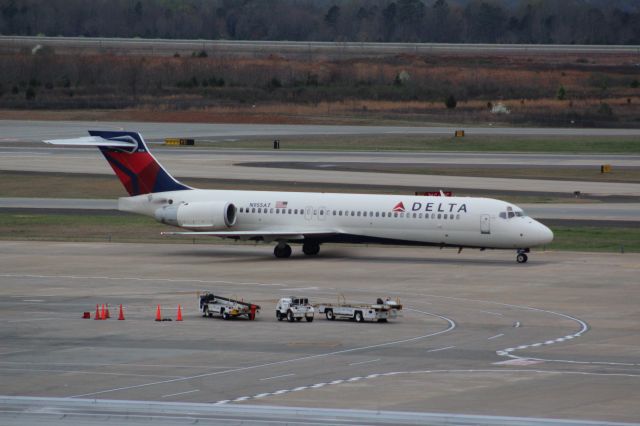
(94, 141)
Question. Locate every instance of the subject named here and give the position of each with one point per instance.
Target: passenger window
(439, 216)
(395, 215)
(358, 214)
(445, 216)
(353, 213)
(457, 217)
(260, 210)
(253, 210)
(339, 212)
(414, 215)
(377, 214)
(321, 212)
(433, 215)
(334, 212)
(295, 211)
(271, 211)
(240, 209)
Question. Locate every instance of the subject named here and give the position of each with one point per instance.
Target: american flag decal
(281, 204)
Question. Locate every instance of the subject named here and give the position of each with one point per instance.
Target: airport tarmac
(480, 335)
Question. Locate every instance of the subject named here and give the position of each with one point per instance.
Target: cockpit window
(510, 213)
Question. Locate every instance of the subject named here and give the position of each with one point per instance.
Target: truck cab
(294, 309)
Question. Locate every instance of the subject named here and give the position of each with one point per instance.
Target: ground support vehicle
(227, 308)
(294, 309)
(381, 311)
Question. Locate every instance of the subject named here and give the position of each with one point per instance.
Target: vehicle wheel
(282, 251)
(299, 319)
(309, 319)
(382, 320)
(358, 317)
(279, 316)
(290, 317)
(225, 315)
(311, 248)
(522, 258)
(329, 314)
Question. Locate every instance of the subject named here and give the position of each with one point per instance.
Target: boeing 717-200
(310, 219)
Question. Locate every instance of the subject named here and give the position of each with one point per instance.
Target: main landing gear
(522, 256)
(311, 248)
(282, 250)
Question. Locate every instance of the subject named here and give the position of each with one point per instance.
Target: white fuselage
(361, 218)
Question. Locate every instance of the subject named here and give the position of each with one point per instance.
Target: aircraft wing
(260, 235)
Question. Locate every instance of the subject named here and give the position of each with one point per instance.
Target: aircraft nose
(541, 234)
(546, 234)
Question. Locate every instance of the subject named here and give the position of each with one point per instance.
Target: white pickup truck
(381, 311)
(294, 309)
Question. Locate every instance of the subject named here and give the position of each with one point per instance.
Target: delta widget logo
(399, 207)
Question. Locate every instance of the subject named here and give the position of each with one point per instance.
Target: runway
(480, 334)
(34, 130)
(220, 164)
(306, 48)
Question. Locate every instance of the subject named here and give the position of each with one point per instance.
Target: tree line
(453, 21)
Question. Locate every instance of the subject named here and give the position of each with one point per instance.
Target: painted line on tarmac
(451, 326)
(364, 362)
(172, 280)
(496, 336)
(396, 373)
(180, 393)
(441, 349)
(277, 377)
(46, 370)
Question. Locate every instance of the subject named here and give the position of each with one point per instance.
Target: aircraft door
(308, 213)
(485, 224)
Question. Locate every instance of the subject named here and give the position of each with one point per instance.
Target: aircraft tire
(309, 319)
(311, 248)
(522, 258)
(282, 251)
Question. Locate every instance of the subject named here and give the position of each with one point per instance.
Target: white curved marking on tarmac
(394, 373)
(584, 327)
(452, 325)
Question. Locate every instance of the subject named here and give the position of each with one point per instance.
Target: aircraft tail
(130, 159)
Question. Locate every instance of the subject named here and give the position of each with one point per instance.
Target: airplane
(310, 219)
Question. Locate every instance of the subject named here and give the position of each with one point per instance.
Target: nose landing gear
(522, 256)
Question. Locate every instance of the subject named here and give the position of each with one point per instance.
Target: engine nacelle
(199, 215)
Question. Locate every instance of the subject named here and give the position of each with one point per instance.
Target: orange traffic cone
(121, 314)
(108, 314)
(97, 316)
(179, 317)
(103, 313)
(158, 314)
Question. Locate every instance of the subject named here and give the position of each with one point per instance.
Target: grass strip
(133, 228)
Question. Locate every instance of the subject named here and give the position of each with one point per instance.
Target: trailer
(381, 311)
(294, 309)
(225, 307)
